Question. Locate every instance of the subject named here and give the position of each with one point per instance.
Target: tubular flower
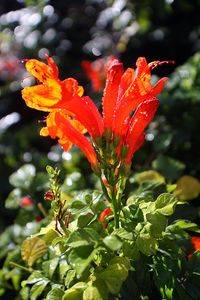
(128, 106)
(68, 132)
(51, 94)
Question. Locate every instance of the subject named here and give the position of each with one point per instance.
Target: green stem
(30, 270)
(66, 232)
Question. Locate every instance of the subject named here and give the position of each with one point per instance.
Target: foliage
(86, 260)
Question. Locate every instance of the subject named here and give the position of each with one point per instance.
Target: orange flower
(71, 114)
(68, 131)
(53, 94)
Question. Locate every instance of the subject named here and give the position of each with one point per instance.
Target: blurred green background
(72, 31)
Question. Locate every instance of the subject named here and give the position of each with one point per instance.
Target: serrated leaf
(32, 249)
(38, 288)
(186, 225)
(55, 294)
(75, 292)
(123, 234)
(165, 204)
(187, 188)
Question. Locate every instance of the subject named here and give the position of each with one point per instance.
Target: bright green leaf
(81, 257)
(96, 291)
(55, 294)
(38, 288)
(165, 204)
(113, 242)
(75, 292)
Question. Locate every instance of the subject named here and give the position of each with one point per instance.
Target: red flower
(195, 240)
(72, 115)
(26, 201)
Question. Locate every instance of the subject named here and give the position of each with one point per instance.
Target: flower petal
(141, 118)
(109, 100)
(44, 96)
(40, 70)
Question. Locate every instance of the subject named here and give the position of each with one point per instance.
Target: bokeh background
(72, 31)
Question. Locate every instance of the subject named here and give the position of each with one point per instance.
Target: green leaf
(63, 268)
(50, 236)
(24, 293)
(158, 223)
(52, 266)
(186, 225)
(33, 278)
(130, 250)
(55, 294)
(81, 257)
(38, 288)
(77, 239)
(32, 249)
(165, 204)
(70, 277)
(23, 177)
(85, 218)
(113, 242)
(123, 234)
(115, 274)
(96, 291)
(146, 244)
(75, 292)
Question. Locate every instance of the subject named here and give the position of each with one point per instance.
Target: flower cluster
(129, 103)
(72, 114)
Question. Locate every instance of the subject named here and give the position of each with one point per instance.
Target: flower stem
(21, 267)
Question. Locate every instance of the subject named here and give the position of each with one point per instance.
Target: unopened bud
(116, 140)
(96, 169)
(124, 151)
(108, 134)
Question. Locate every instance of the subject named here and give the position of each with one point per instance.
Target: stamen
(157, 63)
